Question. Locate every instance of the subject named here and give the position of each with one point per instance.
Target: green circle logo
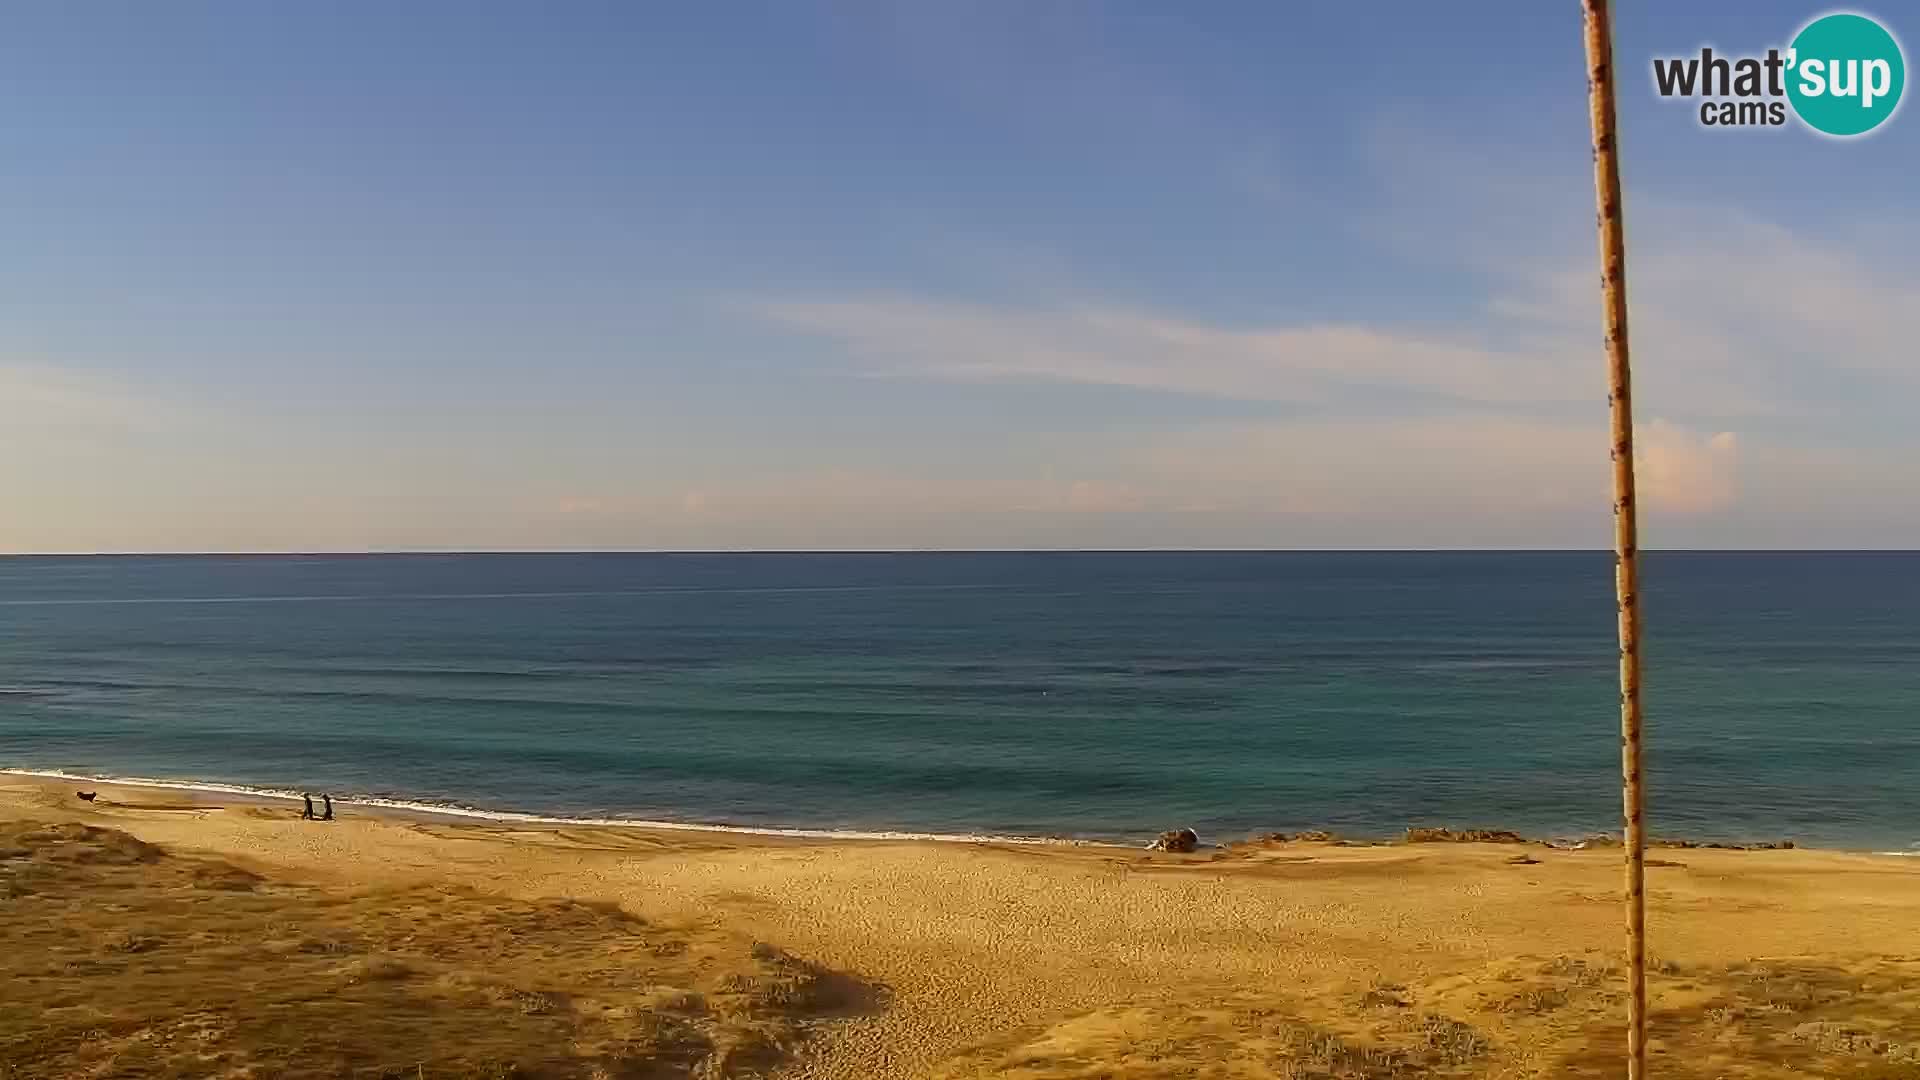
(1845, 74)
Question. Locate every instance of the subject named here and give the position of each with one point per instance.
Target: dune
(129, 960)
(408, 946)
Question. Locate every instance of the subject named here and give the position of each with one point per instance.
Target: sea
(1088, 695)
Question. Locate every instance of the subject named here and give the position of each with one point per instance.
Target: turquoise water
(1093, 695)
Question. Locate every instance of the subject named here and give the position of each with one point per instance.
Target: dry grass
(125, 961)
(1558, 1017)
(1244, 1038)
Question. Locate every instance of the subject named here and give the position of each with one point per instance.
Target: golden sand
(1286, 960)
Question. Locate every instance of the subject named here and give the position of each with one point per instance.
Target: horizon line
(391, 552)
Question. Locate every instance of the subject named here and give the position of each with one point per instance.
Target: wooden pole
(1613, 292)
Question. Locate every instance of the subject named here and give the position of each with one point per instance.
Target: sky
(436, 275)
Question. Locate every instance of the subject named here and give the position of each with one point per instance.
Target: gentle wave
(671, 590)
(451, 810)
(1513, 663)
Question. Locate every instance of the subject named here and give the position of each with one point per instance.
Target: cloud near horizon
(1432, 482)
(1685, 472)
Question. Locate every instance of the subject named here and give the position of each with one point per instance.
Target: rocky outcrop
(1179, 840)
(1463, 836)
(1311, 836)
(1764, 845)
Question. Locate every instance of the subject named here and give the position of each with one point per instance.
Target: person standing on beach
(328, 800)
(307, 813)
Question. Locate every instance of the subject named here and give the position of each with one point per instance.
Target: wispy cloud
(1732, 317)
(42, 398)
(904, 335)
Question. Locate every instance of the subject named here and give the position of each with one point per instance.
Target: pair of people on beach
(308, 814)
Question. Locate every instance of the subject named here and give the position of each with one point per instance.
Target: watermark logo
(1842, 76)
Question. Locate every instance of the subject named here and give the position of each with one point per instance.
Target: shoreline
(407, 808)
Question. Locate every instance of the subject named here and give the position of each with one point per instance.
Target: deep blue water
(1100, 695)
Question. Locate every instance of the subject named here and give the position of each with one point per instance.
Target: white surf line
(318, 598)
(517, 817)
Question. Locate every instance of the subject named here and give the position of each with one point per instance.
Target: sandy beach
(1281, 959)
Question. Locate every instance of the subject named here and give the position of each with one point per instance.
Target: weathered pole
(1613, 293)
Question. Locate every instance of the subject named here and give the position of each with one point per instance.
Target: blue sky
(468, 275)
